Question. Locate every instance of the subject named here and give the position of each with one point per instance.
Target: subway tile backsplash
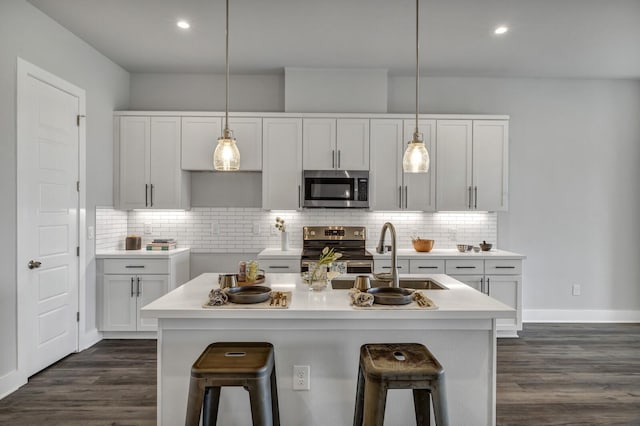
(249, 230)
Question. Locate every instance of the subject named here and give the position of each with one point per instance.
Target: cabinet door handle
(338, 158)
(138, 287)
(488, 285)
(134, 266)
(465, 267)
(475, 198)
(400, 195)
(482, 285)
(389, 267)
(406, 197)
(146, 194)
(505, 267)
(469, 198)
(278, 267)
(333, 159)
(299, 196)
(427, 267)
(131, 286)
(151, 195)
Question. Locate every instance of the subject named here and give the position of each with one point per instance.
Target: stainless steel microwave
(336, 189)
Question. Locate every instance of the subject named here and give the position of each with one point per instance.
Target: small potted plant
(284, 237)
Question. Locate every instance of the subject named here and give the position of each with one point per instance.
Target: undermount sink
(345, 283)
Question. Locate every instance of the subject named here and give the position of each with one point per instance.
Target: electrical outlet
(301, 377)
(148, 229)
(91, 232)
(575, 289)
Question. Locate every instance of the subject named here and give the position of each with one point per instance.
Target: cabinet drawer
(384, 265)
(464, 266)
(280, 265)
(426, 266)
(136, 266)
(503, 267)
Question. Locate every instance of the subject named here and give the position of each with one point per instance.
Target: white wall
(205, 92)
(29, 34)
(574, 155)
(574, 177)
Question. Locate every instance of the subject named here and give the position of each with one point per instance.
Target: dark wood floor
(554, 374)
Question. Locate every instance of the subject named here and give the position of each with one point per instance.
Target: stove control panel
(357, 233)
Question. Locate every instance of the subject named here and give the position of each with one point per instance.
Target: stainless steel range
(348, 240)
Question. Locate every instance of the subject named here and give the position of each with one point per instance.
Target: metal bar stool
(399, 366)
(250, 365)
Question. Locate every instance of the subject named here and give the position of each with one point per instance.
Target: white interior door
(48, 168)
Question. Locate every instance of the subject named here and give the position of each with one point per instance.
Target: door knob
(34, 264)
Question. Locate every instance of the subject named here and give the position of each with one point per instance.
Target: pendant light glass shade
(226, 157)
(416, 157)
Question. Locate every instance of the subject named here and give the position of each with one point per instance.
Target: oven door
(353, 266)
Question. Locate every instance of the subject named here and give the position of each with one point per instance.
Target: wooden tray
(259, 280)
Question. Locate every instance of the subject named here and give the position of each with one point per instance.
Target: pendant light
(226, 156)
(416, 157)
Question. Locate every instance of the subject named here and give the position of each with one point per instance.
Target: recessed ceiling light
(183, 24)
(501, 30)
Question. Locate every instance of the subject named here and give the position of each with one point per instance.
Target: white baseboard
(89, 339)
(11, 382)
(579, 315)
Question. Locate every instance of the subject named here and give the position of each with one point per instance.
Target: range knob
(313, 233)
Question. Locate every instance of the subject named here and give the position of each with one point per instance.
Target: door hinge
(77, 316)
(78, 251)
(78, 119)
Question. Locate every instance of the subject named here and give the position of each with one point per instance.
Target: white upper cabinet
(148, 166)
(490, 164)
(336, 144)
(200, 137)
(385, 177)
(472, 165)
(319, 144)
(282, 164)
(391, 188)
(453, 174)
(352, 144)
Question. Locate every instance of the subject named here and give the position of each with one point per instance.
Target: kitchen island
(322, 330)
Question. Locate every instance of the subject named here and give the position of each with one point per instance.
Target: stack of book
(162, 244)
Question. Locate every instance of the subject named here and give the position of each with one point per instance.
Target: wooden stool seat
(399, 366)
(250, 365)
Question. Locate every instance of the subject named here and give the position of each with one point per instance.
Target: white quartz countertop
(404, 253)
(458, 301)
(143, 254)
(448, 254)
(276, 253)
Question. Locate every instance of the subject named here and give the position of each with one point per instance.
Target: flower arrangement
(280, 226)
(328, 256)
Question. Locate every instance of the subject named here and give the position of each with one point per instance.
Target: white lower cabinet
(279, 265)
(125, 285)
(124, 295)
(500, 279)
(384, 265)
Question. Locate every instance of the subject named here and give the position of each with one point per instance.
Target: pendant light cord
(226, 87)
(417, 65)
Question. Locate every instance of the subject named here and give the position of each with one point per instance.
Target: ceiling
(547, 38)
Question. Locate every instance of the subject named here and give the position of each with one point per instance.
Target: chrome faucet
(395, 281)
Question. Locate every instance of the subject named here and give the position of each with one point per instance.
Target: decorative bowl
(485, 246)
(462, 248)
(422, 245)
